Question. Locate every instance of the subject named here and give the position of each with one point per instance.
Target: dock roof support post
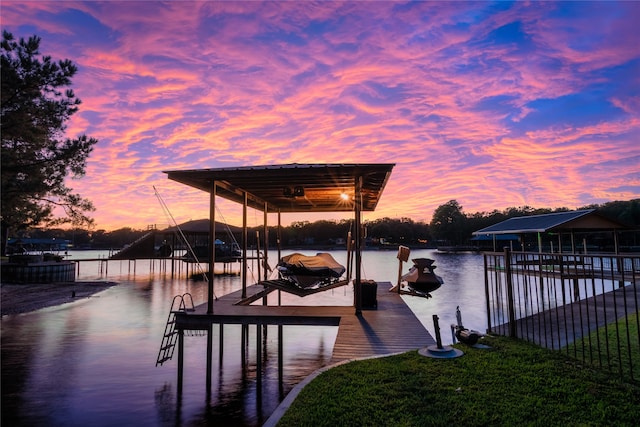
(279, 246)
(180, 363)
(265, 260)
(279, 234)
(266, 241)
(209, 372)
(212, 245)
(539, 242)
(560, 242)
(245, 241)
(357, 287)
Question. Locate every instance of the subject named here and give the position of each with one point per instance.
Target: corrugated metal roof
(586, 219)
(293, 187)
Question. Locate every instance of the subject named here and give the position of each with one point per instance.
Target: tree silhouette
(449, 223)
(36, 155)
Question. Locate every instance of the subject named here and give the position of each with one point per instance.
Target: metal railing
(584, 305)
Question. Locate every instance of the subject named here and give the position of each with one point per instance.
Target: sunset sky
(492, 104)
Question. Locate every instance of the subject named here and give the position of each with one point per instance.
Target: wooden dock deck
(389, 329)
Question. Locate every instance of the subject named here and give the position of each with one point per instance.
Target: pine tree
(36, 155)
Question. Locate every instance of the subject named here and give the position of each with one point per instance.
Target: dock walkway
(389, 329)
(559, 326)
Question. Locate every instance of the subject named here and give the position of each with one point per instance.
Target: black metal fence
(584, 305)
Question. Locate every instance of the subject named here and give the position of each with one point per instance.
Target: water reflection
(93, 361)
(463, 275)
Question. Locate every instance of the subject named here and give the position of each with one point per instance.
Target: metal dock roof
(293, 187)
(581, 220)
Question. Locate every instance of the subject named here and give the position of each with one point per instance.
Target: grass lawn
(600, 348)
(512, 383)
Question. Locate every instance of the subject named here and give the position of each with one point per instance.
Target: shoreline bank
(24, 298)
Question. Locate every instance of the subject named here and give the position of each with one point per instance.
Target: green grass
(600, 348)
(513, 383)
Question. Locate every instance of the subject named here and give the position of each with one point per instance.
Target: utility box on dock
(369, 291)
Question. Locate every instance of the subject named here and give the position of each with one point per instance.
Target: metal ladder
(179, 304)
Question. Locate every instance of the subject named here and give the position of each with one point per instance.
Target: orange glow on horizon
(524, 104)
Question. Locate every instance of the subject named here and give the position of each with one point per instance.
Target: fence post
(509, 283)
(486, 289)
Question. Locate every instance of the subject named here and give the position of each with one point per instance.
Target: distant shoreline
(24, 298)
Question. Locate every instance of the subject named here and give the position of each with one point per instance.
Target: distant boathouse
(569, 292)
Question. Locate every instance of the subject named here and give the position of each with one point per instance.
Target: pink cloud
(209, 84)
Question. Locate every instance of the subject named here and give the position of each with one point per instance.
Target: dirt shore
(23, 298)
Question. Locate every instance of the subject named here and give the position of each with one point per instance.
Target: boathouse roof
(293, 187)
(582, 220)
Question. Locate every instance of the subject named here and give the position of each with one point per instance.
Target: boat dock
(364, 329)
(389, 329)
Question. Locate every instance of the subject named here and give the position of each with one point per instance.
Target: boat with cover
(421, 277)
(310, 271)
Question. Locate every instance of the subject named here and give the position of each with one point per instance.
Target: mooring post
(209, 357)
(243, 347)
(221, 343)
(437, 328)
(180, 361)
(439, 351)
(258, 358)
(280, 361)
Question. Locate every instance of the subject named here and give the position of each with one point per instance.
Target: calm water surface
(92, 362)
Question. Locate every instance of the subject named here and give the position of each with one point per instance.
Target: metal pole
(221, 344)
(258, 256)
(539, 242)
(245, 241)
(243, 347)
(279, 236)
(266, 241)
(212, 245)
(509, 284)
(279, 241)
(357, 287)
(180, 360)
(486, 291)
(399, 275)
(258, 358)
(209, 357)
(349, 256)
(266, 248)
(280, 360)
(436, 326)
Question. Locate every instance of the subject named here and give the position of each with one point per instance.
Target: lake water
(92, 362)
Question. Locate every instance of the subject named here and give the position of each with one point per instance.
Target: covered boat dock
(291, 188)
(555, 225)
(298, 188)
